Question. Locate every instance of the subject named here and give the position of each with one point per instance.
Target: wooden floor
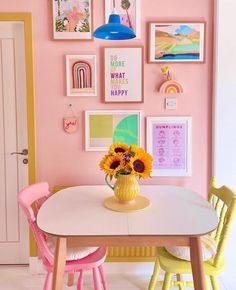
(19, 278)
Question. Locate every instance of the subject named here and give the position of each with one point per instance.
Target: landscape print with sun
(179, 42)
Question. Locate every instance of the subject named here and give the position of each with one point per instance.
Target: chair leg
(101, 271)
(207, 285)
(167, 280)
(180, 279)
(48, 281)
(214, 283)
(96, 279)
(70, 280)
(153, 281)
(80, 280)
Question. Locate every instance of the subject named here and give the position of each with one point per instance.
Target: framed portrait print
(102, 128)
(176, 42)
(123, 74)
(81, 78)
(129, 12)
(72, 19)
(169, 141)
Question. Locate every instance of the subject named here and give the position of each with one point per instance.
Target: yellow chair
(224, 201)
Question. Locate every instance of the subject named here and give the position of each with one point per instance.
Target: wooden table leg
(197, 263)
(59, 264)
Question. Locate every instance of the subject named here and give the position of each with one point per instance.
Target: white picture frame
(81, 75)
(104, 127)
(124, 70)
(169, 141)
(72, 19)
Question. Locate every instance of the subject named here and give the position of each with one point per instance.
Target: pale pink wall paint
(61, 159)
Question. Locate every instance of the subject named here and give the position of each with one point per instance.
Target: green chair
(223, 200)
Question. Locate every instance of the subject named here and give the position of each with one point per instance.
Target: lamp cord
(114, 7)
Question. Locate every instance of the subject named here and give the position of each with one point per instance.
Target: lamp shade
(114, 30)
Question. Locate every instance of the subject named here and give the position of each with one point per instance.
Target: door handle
(24, 152)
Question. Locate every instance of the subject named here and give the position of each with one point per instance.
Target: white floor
(19, 278)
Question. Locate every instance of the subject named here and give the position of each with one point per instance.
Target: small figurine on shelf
(169, 86)
(166, 72)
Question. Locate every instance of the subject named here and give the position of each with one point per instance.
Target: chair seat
(73, 253)
(171, 264)
(209, 249)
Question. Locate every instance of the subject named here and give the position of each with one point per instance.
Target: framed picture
(129, 12)
(169, 141)
(176, 42)
(72, 19)
(102, 128)
(81, 75)
(123, 74)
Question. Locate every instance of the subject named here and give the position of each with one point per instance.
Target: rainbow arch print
(171, 87)
(81, 75)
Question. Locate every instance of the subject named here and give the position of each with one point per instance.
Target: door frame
(26, 18)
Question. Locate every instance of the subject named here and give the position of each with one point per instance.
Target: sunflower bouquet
(122, 159)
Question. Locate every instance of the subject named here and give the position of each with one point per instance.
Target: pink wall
(61, 159)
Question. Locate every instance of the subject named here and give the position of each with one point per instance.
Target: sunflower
(118, 147)
(111, 164)
(141, 164)
(136, 150)
(103, 161)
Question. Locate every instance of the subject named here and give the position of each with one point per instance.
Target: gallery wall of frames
(155, 89)
(168, 138)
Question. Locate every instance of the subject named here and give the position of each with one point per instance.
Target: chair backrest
(223, 200)
(30, 199)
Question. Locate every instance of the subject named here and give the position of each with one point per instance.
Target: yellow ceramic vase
(126, 188)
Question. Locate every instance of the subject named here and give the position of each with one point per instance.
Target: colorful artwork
(106, 127)
(169, 142)
(81, 75)
(177, 42)
(129, 11)
(171, 87)
(70, 124)
(72, 19)
(124, 74)
(169, 146)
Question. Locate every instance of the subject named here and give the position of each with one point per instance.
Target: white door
(224, 142)
(14, 236)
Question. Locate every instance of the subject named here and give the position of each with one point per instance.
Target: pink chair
(36, 194)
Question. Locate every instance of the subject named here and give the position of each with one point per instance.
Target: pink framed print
(123, 68)
(169, 141)
(129, 11)
(72, 19)
(176, 42)
(81, 78)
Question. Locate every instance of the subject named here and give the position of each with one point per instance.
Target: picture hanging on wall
(102, 128)
(81, 76)
(129, 11)
(123, 74)
(169, 141)
(176, 42)
(72, 19)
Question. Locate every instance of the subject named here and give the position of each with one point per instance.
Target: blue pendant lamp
(114, 30)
